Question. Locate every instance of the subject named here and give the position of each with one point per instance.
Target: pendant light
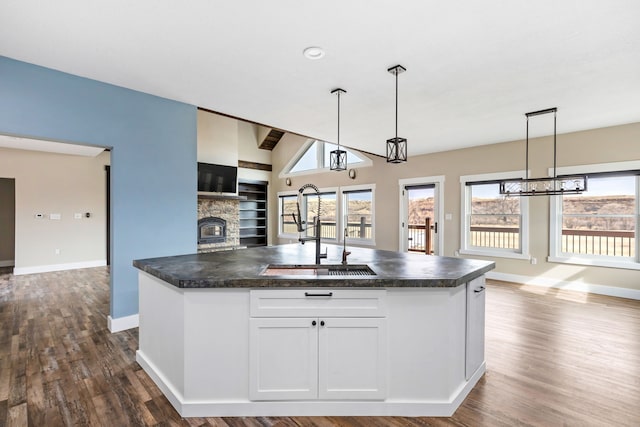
(566, 184)
(338, 157)
(397, 147)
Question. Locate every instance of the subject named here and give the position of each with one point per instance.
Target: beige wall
(619, 143)
(47, 183)
(225, 141)
(7, 222)
(217, 139)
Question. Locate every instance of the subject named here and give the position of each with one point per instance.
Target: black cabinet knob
(322, 323)
(313, 323)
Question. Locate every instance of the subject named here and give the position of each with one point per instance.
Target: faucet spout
(345, 253)
(317, 225)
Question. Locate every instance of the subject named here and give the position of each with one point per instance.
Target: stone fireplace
(218, 223)
(212, 230)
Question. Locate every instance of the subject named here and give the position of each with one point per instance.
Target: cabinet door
(352, 359)
(475, 325)
(283, 359)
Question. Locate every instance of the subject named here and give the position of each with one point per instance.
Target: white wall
(46, 184)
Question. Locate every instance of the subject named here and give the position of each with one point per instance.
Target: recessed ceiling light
(313, 52)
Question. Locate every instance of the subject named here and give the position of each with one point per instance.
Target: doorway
(7, 224)
(420, 213)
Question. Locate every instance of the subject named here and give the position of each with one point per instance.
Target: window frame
(327, 190)
(320, 166)
(555, 221)
(465, 230)
(281, 233)
(344, 191)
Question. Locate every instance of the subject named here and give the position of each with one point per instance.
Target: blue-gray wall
(153, 161)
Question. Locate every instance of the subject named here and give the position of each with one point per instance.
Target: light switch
(55, 216)
(77, 215)
(448, 217)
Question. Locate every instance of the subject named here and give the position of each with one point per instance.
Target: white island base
(278, 352)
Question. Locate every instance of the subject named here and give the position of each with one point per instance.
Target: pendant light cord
(526, 166)
(396, 73)
(338, 120)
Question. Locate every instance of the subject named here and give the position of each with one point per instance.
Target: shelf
(241, 190)
(255, 202)
(220, 197)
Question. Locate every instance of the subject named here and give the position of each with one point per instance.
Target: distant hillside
(419, 209)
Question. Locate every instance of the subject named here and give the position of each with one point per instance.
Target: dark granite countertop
(242, 268)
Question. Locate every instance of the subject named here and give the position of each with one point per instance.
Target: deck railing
(357, 230)
(419, 239)
(588, 242)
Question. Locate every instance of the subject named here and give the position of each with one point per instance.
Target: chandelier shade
(546, 186)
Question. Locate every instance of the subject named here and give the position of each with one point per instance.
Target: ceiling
(49, 146)
(473, 67)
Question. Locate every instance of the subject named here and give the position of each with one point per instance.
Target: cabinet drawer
(318, 302)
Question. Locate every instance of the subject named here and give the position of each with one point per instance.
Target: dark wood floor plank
(554, 357)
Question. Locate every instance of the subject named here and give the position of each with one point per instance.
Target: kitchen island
(264, 332)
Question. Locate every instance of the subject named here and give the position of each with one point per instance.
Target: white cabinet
(352, 361)
(283, 359)
(474, 356)
(327, 358)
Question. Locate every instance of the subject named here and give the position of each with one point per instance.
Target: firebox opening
(212, 230)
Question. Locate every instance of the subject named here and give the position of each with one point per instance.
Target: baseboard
(7, 263)
(546, 282)
(123, 323)
(239, 407)
(17, 271)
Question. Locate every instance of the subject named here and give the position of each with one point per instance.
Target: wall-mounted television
(217, 178)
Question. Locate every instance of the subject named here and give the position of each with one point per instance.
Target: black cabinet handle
(313, 323)
(309, 294)
(322, 323)
(480, 289)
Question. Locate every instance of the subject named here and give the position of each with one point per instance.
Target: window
(599, 226)
(314, 157)
(357, 208)
(328, 217)
(287, 207)
(494, 224)
(349, 207)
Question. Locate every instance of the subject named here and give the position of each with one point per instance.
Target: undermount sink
(318, 270)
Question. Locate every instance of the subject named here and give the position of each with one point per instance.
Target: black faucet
(345, 253)
(317, 225)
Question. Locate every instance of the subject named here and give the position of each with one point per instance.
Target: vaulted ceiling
(473, 67)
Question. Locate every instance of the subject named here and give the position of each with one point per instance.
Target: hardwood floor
(553, 358)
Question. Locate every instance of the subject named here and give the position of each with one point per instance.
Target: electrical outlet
(77, 215)
(55, 216)
(57, 251)
(39, 216)
(448, 216)
(533, 261)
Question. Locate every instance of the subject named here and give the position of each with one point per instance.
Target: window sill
(363, 242)
(495, 254)
(628, 265)
(288, 236)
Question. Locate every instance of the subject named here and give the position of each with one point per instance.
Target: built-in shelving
(253, 213)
